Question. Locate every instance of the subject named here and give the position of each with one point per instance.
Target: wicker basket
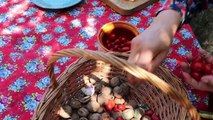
(161, 94)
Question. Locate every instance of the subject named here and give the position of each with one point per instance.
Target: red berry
(208, 69)
(155, 117)
(122, 45)
(120, 118)
(110, 104)
(108, 46)
(128, 43)
(123, 39)
(117, 41)
(112, 36)
(149, 112)
(197, 59)
(196, 75)
(196, 66)
(124, 49)
(107, 41)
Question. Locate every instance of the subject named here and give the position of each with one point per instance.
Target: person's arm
(151, 47)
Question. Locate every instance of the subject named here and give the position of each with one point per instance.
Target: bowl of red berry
(116, 36)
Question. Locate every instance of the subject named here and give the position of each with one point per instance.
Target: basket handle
(136, 71)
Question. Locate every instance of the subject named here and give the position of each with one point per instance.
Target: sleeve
(181, 6)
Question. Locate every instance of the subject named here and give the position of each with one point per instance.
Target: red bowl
(116, 36)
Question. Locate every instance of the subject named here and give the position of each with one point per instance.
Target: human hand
(206, 81)
(148, 50)
(151, 47)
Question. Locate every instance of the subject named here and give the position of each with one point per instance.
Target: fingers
(206, 83)
(208, 79)
(190, 80)
(202, 51)
(157, 61)
(185, 67)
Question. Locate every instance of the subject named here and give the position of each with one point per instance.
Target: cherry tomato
(110, 105)
(196, 66)
(197, 59)
(196, 75)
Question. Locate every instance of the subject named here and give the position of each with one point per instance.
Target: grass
(202, 26)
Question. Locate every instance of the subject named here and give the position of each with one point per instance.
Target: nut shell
(93, 106)
(115, 81)
(75, 104)
(105, 116)
(106, 90)
(75, 116)
(83, 112)
(95, 116)
(117, 91)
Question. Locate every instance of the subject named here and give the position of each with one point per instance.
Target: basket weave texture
(162, 91)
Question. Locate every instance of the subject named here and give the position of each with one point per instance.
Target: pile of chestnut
(105, 100)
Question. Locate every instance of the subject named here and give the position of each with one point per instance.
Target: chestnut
(117, 91)
(93, 106)
(95, 116)
(115, 81)
(75, 116)
(75, 104)
(105, 116)
(83, 112)
(106, 90)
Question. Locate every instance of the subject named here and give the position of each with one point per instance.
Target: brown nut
(75, 104)
(93, 106)
(85, 99)
(115, 81)
(75, 116)
(100, 110)
(83, 112)
(117, 91)
(105, 116)
(95, 116)
(83, 118)
(79, 94)
(106, 90)
(128, 114)
(68, 109)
